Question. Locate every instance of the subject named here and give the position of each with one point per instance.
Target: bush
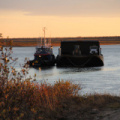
(26, 100)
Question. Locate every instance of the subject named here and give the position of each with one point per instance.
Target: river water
(104, 79)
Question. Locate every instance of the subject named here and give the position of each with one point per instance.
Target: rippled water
(104, 79)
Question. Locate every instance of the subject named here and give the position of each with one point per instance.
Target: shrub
(26, 100)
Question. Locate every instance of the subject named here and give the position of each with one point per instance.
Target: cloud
(64, 7)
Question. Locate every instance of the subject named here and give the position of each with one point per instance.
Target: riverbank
(60, 101)
(53, 44)
(24, 42)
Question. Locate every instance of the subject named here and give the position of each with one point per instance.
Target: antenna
(41, 42)
(45, 42)
(50, 40)
(44, 31)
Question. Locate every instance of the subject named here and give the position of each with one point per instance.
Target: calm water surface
(104, 79)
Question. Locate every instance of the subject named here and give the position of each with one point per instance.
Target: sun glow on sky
(20, 22)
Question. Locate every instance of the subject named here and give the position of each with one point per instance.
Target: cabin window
(38, 50)
(93, 49)
(76, 50)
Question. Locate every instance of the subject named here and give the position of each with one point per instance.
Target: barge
(79, 54)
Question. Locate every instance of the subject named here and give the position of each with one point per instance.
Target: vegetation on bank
(30, 101)
(107, 40)
(23, 99)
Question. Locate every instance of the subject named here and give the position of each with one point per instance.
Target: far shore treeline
(108, 40)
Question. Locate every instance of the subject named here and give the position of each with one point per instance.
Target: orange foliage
(17, 97)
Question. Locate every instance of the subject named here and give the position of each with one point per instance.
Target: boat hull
(42, 61)
(79, 61)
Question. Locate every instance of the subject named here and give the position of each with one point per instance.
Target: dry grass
(28, 101)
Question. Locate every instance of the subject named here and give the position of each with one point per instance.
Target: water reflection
(87, 69)
(111, 69)
(54, 72)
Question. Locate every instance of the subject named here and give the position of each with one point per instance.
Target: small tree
(8, 72)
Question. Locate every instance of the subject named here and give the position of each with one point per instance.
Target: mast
(41, 42)
(44, 41)
(50, 40)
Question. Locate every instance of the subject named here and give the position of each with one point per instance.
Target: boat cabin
(44, 50)
(80, 48)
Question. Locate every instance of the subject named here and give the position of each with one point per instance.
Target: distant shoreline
(54, 45)
(31, 42)
(57, 45)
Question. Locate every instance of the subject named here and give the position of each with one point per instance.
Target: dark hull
(41, 62)
(79, 61)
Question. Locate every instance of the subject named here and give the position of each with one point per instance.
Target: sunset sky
(62, 18)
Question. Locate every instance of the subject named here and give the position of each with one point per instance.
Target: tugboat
(79, 54)
(43, 56)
